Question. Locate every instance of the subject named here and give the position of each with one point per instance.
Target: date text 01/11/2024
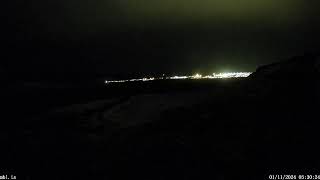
(8, 177)
(310, 177)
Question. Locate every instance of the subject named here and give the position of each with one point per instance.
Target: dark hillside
(226, 129)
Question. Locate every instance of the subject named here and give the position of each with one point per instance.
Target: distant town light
(179, 77)
(231, 75)
(196, 76)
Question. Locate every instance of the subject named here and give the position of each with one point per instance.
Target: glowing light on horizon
(179, 77)
(131, 80)
(231, 75)
(196, 76)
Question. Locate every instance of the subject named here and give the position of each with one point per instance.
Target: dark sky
(155, 36)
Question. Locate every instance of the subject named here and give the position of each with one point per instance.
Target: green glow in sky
(206, 35)
(199, 10)
(98, 12)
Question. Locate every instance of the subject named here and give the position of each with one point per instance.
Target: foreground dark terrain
(207, 129)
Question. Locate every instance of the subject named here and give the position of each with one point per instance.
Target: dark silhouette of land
(205, 129)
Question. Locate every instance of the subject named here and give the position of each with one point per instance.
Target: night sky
(154, 36)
